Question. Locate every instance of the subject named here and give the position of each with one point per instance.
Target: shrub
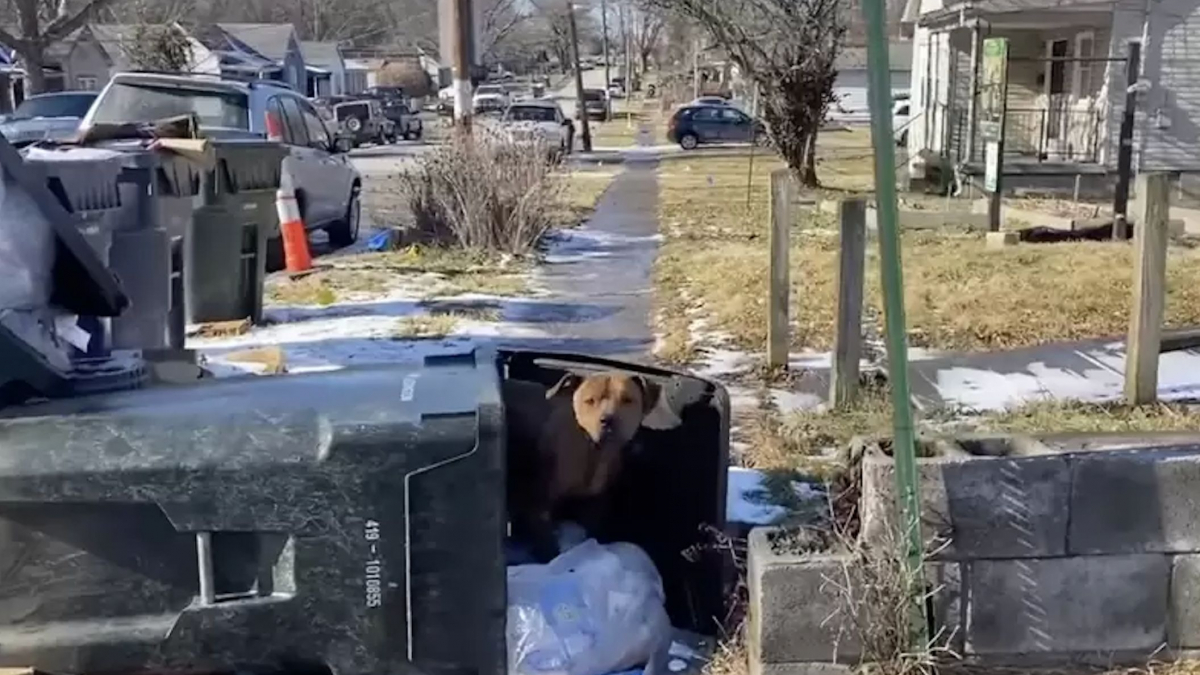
(485, 192)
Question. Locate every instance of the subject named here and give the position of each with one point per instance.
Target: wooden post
(847, 341)
(778, 340)
(1149, 290)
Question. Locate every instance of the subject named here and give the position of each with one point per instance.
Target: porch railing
(1053, 134)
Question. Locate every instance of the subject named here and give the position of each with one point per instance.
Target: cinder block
(986, 507)
(1137, 501)
(798, 616)
(1080, 604)
(1002, 239)
(1183, 631)
(794, 607)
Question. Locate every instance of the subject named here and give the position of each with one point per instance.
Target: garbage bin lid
(82, 283)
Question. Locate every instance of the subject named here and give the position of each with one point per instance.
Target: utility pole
(628, 58)
(695, 68)
(580, 103)
(604, 29)
(461, 20)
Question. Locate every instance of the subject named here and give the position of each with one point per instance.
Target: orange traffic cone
(291, 228)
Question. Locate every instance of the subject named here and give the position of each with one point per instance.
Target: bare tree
(501, 19)
(646, 24)
(788, 47)
(40, 23)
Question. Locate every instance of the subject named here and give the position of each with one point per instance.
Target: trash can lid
(82, 283)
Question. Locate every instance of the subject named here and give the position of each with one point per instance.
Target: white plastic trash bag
(591, 611)
(26, 249)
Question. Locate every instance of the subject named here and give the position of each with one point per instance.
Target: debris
(270, 358)
(223, 328)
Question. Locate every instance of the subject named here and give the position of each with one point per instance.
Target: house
(326, 68)
(269, 51)
(851, 84)
(1066, 79)
(358, 73)
(97, 51)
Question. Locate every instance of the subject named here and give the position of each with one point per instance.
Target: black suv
(396, 108)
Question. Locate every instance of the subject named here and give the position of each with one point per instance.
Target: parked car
(616, 87)
(399, 109)
(540, 122)
(597, 104)
(327, 184)
(364, 122)
(694, 125)
(49, 117)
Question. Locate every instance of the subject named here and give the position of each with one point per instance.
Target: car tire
(689, 141)
(275, 257)
(408, 135)
(345, 231)
(354, 124)
(902, 140)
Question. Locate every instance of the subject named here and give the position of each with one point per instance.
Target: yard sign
(993, 93)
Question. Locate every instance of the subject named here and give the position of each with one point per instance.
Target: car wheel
(275, 257)
(902, 140)
(345, 231)
(689, 141)
(408, 135)
(354, 124)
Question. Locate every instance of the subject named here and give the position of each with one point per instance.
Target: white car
(539, 122)
(901, 117)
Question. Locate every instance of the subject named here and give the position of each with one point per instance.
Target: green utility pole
(879, 93)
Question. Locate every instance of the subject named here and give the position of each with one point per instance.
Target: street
(384, 160)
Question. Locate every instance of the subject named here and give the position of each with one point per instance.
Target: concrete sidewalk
(1088, 371)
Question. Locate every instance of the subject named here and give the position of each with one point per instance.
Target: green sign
(993, 87)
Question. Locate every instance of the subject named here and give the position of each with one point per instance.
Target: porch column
(972, 124)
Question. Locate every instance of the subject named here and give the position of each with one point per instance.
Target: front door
(1057, 94)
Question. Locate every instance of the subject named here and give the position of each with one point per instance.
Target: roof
(322, 54)
(112, 38)
(994, 7)
(268, 39)
(855, 58)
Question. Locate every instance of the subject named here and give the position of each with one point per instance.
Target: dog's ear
(651, 391)
(567, 384)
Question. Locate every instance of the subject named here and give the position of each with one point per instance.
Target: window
(132, 101)
(86, 83)
(732, 116)
(297, 128)
(318, 135)
(1086, 72)
(54, 105)
(706, 115)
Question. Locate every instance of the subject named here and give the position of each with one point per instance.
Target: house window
(86, 83)
(1086, 72)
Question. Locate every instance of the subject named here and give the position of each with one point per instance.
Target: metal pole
(879, 95)
(604, 29)
(580, 103)
(628, 70)
(462, 64)
(695, 68)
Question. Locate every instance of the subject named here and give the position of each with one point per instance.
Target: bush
(485, 192)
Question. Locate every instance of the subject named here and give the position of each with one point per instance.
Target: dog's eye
(626, 401)
(590, 401)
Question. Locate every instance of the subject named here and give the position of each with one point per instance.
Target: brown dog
(566, 450)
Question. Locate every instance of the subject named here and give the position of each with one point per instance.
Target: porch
(1057, 102)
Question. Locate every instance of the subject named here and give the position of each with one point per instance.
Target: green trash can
(225, 248)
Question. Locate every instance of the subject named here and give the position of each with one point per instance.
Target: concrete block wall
(1053, 556)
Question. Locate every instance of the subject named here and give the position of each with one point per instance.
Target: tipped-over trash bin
(352, 520)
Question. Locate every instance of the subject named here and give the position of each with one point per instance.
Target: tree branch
(63, 25)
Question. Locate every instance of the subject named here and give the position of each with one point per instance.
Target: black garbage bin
(350, 520)
(115, 212)
(225, 249)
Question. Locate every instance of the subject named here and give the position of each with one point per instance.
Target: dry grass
(430, 271)
(959, 295)
(624, 129)
(808, 440)
(424, 326)
(580, 195)
(1078, 417)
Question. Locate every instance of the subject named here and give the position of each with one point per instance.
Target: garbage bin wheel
(345, 231)
(275, 259)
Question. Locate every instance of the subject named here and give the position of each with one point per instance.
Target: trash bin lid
(82, 284)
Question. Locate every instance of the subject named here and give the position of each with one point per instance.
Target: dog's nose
(607, 423)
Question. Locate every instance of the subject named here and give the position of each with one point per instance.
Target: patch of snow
(1097, 375)
(792, 401)
(748, 502)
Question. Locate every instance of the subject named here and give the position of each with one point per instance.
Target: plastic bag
(26, 249)
(592, 610)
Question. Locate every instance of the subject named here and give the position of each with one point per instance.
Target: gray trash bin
(109, 193)
(224, 253)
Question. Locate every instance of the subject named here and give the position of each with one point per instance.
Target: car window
(731, 115)
(705, 114)
(295, 121)
(530, 113)
(318, 135)
(54, 105)
(126, 102)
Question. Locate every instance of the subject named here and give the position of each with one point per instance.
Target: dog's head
(609, 406)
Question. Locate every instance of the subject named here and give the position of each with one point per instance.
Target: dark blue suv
(692, 125)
